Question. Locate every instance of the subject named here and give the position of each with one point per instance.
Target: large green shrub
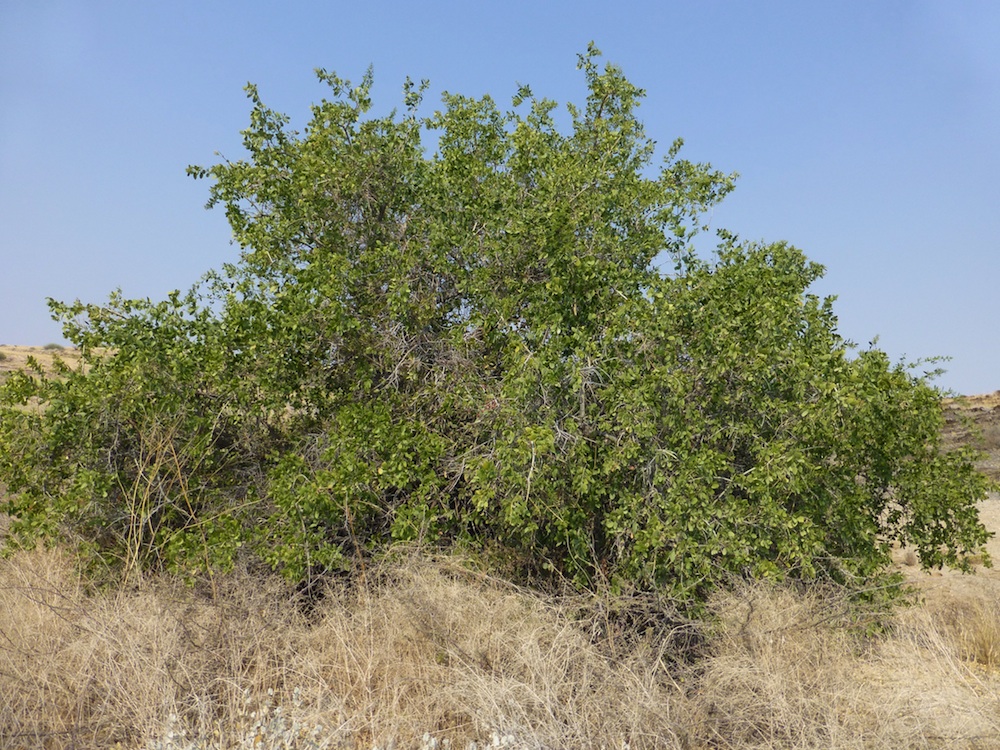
(455, 330)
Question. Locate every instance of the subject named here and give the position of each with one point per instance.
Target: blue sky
(866, 133)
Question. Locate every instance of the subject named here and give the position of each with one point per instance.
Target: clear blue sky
(866, 133)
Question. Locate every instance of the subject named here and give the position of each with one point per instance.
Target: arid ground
(16, 357)
(433, 654)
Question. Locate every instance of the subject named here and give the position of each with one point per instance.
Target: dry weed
(787, 672)
(428, 654)
(940, 699)
(436, 648)
(91, 671)
(971, 618)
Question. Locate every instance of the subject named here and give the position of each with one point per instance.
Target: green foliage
(476, 346)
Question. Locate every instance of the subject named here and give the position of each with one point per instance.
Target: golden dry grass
(16, 357)
(784, 673)
(428, 651)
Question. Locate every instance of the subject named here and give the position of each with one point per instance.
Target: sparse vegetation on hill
(975, 421)
(30, 358)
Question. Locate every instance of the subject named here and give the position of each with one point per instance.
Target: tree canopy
(479, 329)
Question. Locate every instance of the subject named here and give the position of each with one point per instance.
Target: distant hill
(16, 357)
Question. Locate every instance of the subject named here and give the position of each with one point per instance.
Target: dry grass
(429, 652)
(970, 617)
(785, 672)
(16, 357)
